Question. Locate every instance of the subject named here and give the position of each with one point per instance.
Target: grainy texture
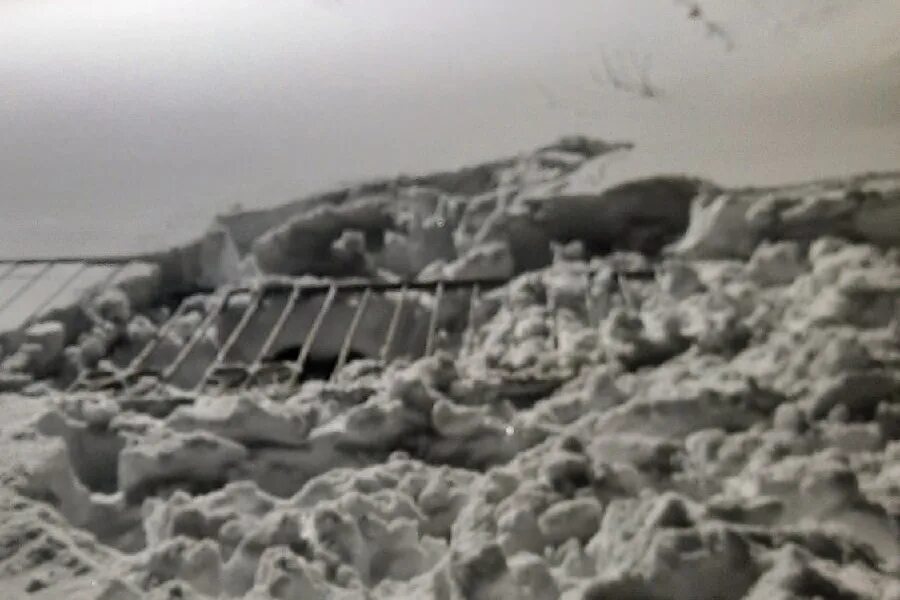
(725, 428)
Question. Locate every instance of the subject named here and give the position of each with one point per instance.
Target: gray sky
(127, 125)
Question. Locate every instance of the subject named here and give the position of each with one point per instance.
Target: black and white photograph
(450, 299)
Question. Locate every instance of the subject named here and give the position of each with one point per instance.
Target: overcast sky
(128, 124)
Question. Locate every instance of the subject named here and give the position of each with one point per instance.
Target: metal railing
(41, 267)
(261, 368)
(223, 374)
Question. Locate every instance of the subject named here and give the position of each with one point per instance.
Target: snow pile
(725, 429)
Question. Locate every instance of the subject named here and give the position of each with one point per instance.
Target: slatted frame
(222, 374)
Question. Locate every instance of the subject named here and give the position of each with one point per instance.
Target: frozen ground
(726, 428)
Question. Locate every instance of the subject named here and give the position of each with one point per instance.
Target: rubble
(675, 392)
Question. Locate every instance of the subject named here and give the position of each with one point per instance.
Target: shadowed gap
(316, 367)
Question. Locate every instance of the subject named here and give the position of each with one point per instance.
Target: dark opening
(94, 457)
(315, 367)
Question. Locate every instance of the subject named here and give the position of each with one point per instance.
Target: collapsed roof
(485, 223)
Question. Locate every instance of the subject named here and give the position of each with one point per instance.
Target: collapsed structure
(507, 381)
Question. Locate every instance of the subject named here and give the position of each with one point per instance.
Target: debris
(657, 389)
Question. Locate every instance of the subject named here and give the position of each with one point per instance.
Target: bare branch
(611, 75)
(631, 75)
(713, 28)
(647, 89)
